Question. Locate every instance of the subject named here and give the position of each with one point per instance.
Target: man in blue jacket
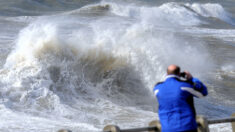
(175, 97)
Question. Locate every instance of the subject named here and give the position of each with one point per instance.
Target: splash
(94, 70)
(212, 10)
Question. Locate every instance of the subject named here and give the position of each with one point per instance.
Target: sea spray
(85, 68)
(49, 71)
(116, 61)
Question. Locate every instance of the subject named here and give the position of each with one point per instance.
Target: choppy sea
(83, 64)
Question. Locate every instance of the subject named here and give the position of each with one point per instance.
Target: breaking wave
(173, 13)
(88, 68)
(52, 63)
(43, 72)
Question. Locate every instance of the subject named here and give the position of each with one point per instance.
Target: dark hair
(175, 71)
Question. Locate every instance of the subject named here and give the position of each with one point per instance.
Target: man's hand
(188, 75)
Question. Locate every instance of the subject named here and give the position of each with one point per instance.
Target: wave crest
(42, 73)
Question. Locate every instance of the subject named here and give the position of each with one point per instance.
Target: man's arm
(199, 86)
(199, 89)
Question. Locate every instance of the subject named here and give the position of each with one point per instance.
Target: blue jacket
(176, 106)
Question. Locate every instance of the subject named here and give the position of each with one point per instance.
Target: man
(175, 98)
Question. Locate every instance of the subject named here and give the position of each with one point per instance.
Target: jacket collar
(172, 76)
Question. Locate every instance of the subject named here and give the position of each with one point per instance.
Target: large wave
(43, 68)
(89, 68)
(168, 14)
(115, 59)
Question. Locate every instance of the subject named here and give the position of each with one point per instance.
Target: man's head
(173, 70)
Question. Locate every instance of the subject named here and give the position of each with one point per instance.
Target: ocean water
(81, 65)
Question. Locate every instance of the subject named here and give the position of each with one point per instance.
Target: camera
(183, 74)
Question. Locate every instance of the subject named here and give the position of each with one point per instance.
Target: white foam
(15, 121)
(224, 34)
(39, 46)
(23, 19)
(212, 10)
(169, 14)
(172, 14)
(90, 71)
(225, 127)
